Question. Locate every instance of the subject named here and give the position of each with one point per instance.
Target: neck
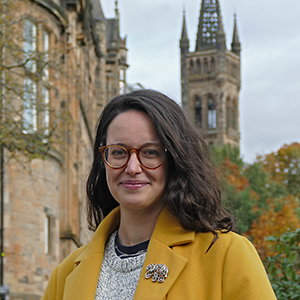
(136, 227)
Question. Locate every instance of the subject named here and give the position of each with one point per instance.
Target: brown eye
(117, 152)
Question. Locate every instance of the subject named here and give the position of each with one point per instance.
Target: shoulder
(232, 242)
(226, 242)
(231, 252)
(229, 246)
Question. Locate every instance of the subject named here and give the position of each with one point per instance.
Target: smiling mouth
(133, 185)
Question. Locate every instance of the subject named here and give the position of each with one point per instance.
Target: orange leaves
(263, 196)
(283, 167)
(233, 175)
(280, 217)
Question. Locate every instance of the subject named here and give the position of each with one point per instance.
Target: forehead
(132, 127)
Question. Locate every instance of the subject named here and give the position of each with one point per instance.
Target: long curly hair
(192, 193)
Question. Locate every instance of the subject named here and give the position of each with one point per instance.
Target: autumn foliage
(281, 217)
(233, 175)
(263, 196)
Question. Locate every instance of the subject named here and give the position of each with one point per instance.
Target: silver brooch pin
(158, 272)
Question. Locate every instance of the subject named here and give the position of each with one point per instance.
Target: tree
(275, 177)
(239, 198)
(257, 192)
(283, 167)
(28, 123)
(280, 217)
(262, 185)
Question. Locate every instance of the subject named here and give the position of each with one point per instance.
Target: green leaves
(284, 268)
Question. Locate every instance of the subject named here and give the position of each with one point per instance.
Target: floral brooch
(158, 272)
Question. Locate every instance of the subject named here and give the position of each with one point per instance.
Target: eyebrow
(144, 145)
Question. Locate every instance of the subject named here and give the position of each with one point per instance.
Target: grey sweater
(118, 277)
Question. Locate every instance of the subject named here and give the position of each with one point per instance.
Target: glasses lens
(116, 156)
(152, 156)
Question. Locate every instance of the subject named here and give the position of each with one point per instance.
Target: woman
(164, 233)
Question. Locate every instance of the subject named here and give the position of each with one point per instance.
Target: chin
(138, 204)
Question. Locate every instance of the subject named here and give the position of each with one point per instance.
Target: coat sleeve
(244, 276)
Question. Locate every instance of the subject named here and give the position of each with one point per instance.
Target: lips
(134, 184)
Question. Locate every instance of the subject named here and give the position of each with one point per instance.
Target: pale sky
(269, 32)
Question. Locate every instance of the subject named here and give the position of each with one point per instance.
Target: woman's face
(135, 187)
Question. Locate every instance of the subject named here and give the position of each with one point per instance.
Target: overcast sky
(269, 32)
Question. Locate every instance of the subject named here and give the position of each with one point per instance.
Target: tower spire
(116, 9)
(184, 31)
(210, 28)
(184, 50)
(235, 45)
(184, 41)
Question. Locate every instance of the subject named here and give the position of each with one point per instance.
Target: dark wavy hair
(192, 193)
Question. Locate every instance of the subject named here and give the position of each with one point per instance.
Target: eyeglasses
(117, 157)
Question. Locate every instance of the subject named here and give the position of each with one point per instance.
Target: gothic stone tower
(210, 77)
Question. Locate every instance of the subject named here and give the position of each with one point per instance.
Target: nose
(133, 166)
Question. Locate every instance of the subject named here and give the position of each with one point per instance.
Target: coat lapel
(168, 233)
(82, 282)
(147, 289)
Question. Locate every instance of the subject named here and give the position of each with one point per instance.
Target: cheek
(109, 173)
(112, 177)
(109, 177)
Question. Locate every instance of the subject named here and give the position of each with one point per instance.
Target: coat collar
(101, 235)
(82, 282)
(168, 233)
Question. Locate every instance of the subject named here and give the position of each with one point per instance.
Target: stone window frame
(36, 105)
(49, 231)
(192, 67)
(212, 118)
(198, 110)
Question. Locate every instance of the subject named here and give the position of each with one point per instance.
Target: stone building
(211, 77)
(44, 210)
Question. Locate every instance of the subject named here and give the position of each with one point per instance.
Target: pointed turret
(210, 28)
(184, 41)
(116, 9)
(184, 50)
(235, 45)
(113, 31)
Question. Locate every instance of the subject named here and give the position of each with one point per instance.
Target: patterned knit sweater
(118, 277)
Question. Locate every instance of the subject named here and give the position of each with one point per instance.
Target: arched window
(198, 110)
(206, 67)
(234, 115)
(198, 67)
(232, 69)
(192, 67)
(212, 114)
(212, 66)
(228, 113)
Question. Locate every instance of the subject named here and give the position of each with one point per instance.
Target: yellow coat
(231, 270)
